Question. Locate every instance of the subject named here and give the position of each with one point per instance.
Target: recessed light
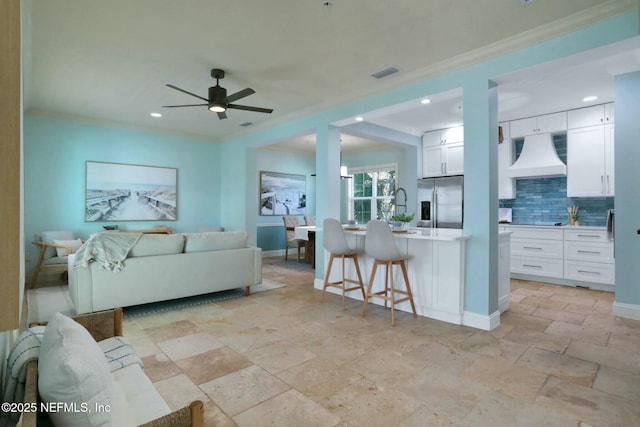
(359, 119)
(426, 101)
(155, 115)
(589, 98)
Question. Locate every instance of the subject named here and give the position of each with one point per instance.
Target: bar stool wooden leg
(326, 277)
(406, 281)
(366, 297)
(355, 260)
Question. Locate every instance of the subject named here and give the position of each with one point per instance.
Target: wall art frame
(282, 194)
(126, 192)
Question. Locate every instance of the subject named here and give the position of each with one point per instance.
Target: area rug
(42, 303)
(175, 304)
(294, 265)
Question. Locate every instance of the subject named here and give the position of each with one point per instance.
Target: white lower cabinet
(588, 257)
(570, 256)
(536, 251)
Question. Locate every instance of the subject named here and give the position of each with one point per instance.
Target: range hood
(538, 159)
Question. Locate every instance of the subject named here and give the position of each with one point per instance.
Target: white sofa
(164, 267)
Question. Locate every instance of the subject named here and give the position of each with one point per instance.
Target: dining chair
(290, 223)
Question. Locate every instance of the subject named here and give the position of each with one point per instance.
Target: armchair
(54, 247)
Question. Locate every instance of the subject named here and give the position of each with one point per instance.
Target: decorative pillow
(50, 236)
(73, 373)
(157, 244)
(214, 241)
(73, 244)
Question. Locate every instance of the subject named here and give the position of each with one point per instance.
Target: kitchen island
(435, 267)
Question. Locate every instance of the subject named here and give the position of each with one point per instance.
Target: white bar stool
(335, 242)
(381, 246)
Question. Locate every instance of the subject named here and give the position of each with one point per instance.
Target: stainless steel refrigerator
(440, 202)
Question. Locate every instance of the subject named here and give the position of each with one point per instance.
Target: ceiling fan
(218, 101)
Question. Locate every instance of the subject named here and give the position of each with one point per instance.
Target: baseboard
(503, 303)
(481, 321)
(630, 311)
(564, 282)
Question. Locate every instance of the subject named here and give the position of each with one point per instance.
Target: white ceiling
(110, 61)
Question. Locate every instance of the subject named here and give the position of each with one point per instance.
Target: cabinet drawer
(589, 272)
(536, 233)
(537, 266)
(537, 248)
(586, 235)
(594, 252)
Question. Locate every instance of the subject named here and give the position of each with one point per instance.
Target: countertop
(447, 234)
(568, 227)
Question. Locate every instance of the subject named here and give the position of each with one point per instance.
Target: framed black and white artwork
(122, 192)
(282, 194)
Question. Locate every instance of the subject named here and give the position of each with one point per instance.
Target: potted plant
(402, 220)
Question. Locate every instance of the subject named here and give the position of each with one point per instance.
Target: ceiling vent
(246, 124)
(384, 73)
(526, 2)
(538, 159)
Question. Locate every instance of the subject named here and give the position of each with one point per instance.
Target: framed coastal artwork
(122, 192)
(282, 194)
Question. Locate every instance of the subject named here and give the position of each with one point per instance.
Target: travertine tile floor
(281, 358)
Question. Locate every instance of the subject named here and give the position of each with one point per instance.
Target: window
(371, 193)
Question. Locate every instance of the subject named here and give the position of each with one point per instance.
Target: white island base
(435, 267)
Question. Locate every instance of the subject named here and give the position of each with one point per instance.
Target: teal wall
(270, 229)
(627, 179)
(55, 153)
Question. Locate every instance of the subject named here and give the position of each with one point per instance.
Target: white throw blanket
(108, 249)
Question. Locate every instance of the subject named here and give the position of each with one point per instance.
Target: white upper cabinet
(590, 116)
(443, 160)
(443, 136)
(590, 162)
(548, 123)
(443, 152)
(506, 156)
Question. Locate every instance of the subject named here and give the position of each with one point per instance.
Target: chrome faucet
(396, 202)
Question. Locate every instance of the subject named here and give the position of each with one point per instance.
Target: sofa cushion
(72, 370)
(215, 241)
(157, 244)
(73, 244)
(141, 397)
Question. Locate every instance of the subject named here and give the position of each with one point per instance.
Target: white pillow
(74, 244)
(72, 370)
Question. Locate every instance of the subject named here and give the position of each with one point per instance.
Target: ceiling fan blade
(247, 108)
(240, 95)
(187, 92)
(189, 105)
(222, 115)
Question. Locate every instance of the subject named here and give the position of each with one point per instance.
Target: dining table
(308, 234)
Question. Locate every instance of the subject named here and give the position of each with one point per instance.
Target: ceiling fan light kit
(218, 101)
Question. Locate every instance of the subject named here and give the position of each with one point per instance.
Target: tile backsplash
(544, 201)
